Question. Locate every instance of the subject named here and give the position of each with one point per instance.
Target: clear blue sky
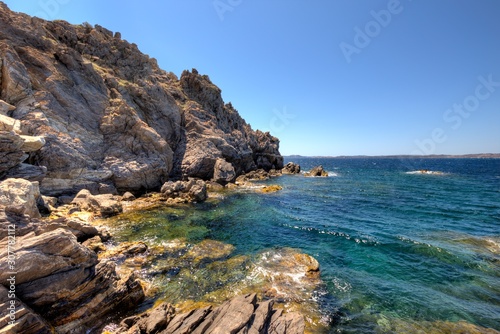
(328, 77)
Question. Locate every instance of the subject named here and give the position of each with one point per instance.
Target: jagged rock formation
(317, 171)
(17, 317)
(242, 314)
(58, 278)
(110, 116)
(291, 168)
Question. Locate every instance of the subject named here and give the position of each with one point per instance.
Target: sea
(404, 245)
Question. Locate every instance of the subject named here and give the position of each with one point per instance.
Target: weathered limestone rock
(255, 175)
(317, 171)
(21, 196)
(80, 229)
(223, 172)
(291, 168)
(242, 314)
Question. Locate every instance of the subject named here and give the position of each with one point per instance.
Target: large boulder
(291, 168)
(223, 172)
(193, 190)
(21, 196)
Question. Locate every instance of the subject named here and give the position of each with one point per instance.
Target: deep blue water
(392, 245)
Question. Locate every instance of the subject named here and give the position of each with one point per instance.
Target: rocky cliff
(110, 117)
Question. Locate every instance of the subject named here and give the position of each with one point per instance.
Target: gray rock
(223, 172)
(16, 83)
(193, 190)
(105, 205)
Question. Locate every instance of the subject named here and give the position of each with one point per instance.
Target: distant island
(432, 156)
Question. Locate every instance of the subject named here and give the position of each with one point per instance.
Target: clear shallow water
(395, 247)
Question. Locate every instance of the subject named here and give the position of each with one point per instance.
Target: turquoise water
(397, 249)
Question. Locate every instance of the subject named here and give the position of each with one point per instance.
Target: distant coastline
(433, 156)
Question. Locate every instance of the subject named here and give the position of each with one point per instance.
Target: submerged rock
(271, 189)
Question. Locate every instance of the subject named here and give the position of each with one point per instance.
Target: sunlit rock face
(110, 116)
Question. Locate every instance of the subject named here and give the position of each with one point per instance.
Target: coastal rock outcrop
(110, 117)
(317, 171)
(291, 168)
(17, 317)
(242, 314)
(60, 279)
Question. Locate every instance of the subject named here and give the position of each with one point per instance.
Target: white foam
(427, 172)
